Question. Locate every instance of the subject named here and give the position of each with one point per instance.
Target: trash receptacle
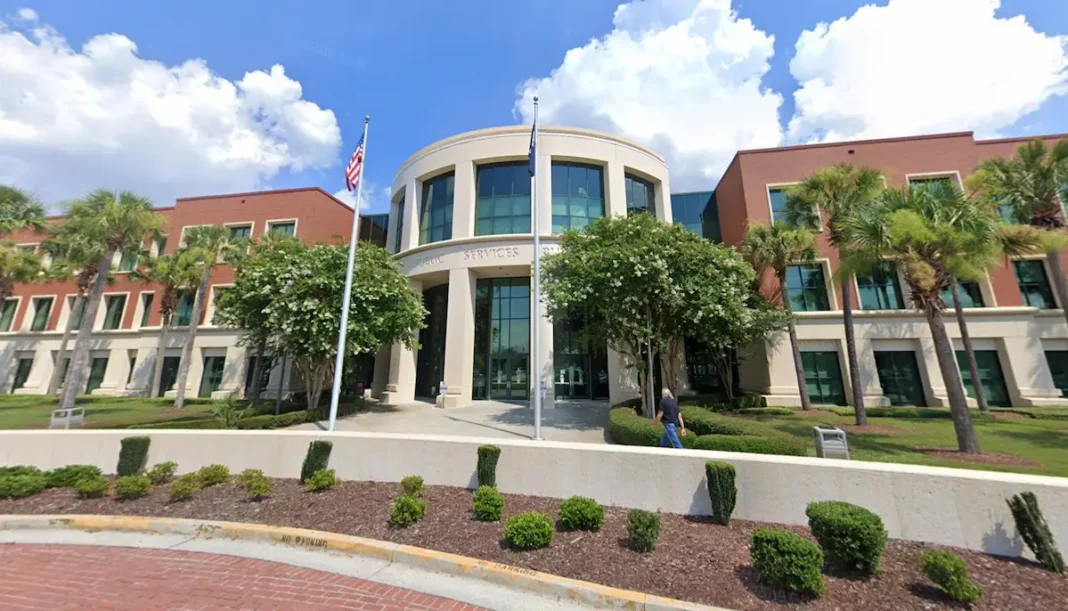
(830, 442)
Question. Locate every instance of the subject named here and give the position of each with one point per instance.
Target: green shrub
(643, 529)
(772, 444)
(852, 538)
(766, 411)
(412, 484)
(212, 475)
(487, 465)
(721, 490)
(323, 479)
(626, 427)
(1035, 531)
(317, 459)
(229, 412)
(787, 560)
(163, 472)
(528, 530)
(67, 477)
(580, 513)
(406, 509)
(948, 571)
(184, 487)
(130, 487)
(92, 487)
(705, 422)
(270, 421)
(255, 484)
(21, 486)
(133, 456)
(487, 504)
(20, 470)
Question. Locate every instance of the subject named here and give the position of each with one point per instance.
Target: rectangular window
(879, 290)
(288, 228)
(42, 309)
(211, 380)
(777, 201)
(219, 291)
(63, 370)
(806, 288)
(22, 373)
(823, 377)
(133, 367)
(240, 232)
(161, 244)
(1058, 368)
(264, 373)
(640, 195)
(96, 374)
(503, 199)
(932, 182)
(169, 375)
(899, 376)
(183, 312)
(400, 225)
(435, 216)
(374, 228)
(128, 261)
(990, 376)
(146, 307)
(970, 295)
(577, 196)
(7, 314)
(1034, 284)
(698, 213)
(114, 307)
(77, 310)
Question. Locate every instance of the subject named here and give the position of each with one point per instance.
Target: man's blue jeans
(671, 435)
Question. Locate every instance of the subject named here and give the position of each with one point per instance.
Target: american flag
(355, 167)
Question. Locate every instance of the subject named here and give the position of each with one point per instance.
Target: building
(460, 225)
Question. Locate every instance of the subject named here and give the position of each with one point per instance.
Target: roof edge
(848, 142)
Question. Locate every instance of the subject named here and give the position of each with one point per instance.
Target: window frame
(270, 223)
(899, 284)
(953, 175)
(16, 384)
(637, 178)
(842, 399)
(783, 186)
(1046, 274)
(11, 328)
(962, 366)
(825, 267)
(587, 165)
(31, 313)
(140, 314)
(916, 360)
(102, 313)
(240, 224)
(424, 209)
(103, 375)
(481, 166)
(192, 305)
(209, 308)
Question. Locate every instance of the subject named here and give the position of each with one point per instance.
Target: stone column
(871, 388)
(615, 190)
(412, 195)
(460, 338)
(782, 378)
(622, 378)
(662, 196)
(381, 375)
(401, 385)
(928, 362)
(463, 203)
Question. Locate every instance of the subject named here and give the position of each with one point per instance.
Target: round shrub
(212, 475)
(406, 509)
(163, 472)
(323, 479)
(413, 484)
(92, 487)
(580, 513)
(948, 571)
(852, 538)
(487, 504)
(21, 486)
(255, 484)
(20, 470)
(184, 487)
(787, 560)
(67, 477)
(528, 530)
(643, 529)
(130, 487)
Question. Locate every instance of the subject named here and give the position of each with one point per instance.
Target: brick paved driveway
(89, 577)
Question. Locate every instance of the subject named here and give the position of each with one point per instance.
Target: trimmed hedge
(21, 486)
(20, 470)
(69, 476)
(643, 529)
(721, 490)
(92, 487)
(704, 422)
(162, 473)
(528, 530)
(627, 427)
(183, 487)
(130, 487)
(323, 479)
(412, 484)
(852, 538)
(487, 465)
(787, 560)
(766, 411)
(133, 456)
(317, 459)
(1032, 527)
(950, 574)
(894, 412)
(212, 475)
(580, 513)
(487, 504)
(406, 509)
(783, 445)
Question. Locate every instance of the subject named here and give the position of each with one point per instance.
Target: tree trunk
(53, 383)
(190, 337)
(259, 363)
(79, 360)
(966, 339)
(649, 363)
(851, 355)
(161, 353)
(799, 369)
(967, 442)
(1057, 272)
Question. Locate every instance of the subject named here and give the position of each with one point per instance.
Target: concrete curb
(525, 580)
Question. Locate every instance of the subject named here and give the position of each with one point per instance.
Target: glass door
(572, 377)
(509, 377)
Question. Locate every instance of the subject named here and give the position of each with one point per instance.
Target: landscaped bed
(694, 559)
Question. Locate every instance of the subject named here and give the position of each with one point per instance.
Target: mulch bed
(986, 458)
(694, 560)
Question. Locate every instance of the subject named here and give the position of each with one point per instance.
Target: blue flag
(532, 153)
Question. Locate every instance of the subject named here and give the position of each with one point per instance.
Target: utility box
(830, 442)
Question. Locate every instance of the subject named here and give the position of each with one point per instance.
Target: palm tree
(119, 222)
(776, 248)
(206, 244)
(839, 190)
(170, 273)
(16, 267)
(19, 211)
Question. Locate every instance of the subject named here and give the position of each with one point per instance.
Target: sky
(177, 99)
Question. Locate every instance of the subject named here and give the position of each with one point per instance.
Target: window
(96, 374)
(63, 370)
(169, 375)
(1034, 285)
(640, 195)
(970, 295)
(990, 376)
(806, 289)
(251, 371)
(879, 290)
(374, 228)
(7, 313)
(435, 217)
(899, 376)
(161, 244)
(698, 213)
(133, 367)
(42, 309)
(183, 312)
(1058, 368)
(22, 373)
(219, 291)
(212, 377)
(128, 261)
(29, 249)
(400, 224)
(114, 307)
(823, 377)
(146, 307)
(777, 200)
(288, 228)
(578, 196)
(76, 310)
(503, 204)
(935, 182)
(241, 232)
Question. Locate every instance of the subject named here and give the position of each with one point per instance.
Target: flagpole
(536, 301)
(339, 362)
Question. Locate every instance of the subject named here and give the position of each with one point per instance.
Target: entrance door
(572, 377)
(509, 377)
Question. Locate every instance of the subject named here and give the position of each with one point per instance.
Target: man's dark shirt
(670, 409)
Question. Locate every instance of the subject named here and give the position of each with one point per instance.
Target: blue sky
(425, 70)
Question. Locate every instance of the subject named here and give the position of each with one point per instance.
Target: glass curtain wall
(435, 217)
(503, 200)
(502, 339)
(640, 195)
(578, 195)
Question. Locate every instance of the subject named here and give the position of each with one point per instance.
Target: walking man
(669, 414)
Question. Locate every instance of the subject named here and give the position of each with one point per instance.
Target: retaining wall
(957, 507)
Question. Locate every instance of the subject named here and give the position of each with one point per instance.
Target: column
(460, 338)
(412, 195)
(545, 193)
(615, 189)
(782, 377)
(871, 388)
(234, 371)
(936, 394)
(622, 378)
(381, 374)
(463, 201)
(401, 385)
(662, 195)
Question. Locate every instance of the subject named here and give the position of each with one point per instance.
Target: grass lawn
(34, 411)
(1009, 441)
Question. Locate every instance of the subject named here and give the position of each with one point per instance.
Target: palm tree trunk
(53, 382)
(967, 442)
(79, 360)
(799, 369)
(851, 355)
(191, 336)
(1057, 272)
(161, 353)
(966, 339)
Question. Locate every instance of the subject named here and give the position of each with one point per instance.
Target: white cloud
(72, 120)
(27, 14)
(919, 66)
(372, 199)
(683, 76)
